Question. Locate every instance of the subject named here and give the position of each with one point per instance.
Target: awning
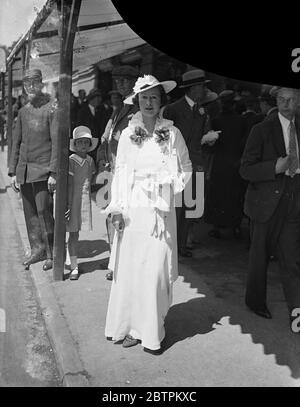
(101, 34)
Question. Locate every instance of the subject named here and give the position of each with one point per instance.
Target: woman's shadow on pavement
(221, 278)
(186, 320)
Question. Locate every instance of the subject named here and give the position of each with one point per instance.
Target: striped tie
(293, 156)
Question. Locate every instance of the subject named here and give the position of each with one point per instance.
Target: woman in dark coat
(224, 195)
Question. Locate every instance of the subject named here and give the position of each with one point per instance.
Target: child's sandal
(74, 274)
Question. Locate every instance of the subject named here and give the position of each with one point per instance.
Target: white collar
(79, 160)
(284, 121)
(92, 109)
(189, 101)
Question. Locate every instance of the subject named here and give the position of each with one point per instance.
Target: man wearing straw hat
(189, 116)
(33, 166)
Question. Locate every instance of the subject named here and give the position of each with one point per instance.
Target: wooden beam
(69, 17)
(41, 17)
(28, 51)
(53, 33)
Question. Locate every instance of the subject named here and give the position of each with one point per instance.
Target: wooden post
(23, 56)
(3, 87)
(9, 111)
(2, 127)
(26, 53)
(69, 16)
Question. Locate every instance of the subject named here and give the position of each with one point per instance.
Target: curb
(67, 357)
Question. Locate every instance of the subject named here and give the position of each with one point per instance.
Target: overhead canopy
(101, 34)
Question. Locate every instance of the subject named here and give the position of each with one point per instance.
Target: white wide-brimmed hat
(83, 132)
(147, 82)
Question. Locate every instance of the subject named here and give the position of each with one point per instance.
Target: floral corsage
(139, 135)
(162, 135)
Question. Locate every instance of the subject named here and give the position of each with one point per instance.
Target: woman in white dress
(152, 165)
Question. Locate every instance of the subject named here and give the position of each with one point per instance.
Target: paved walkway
(212, 339)
(26, 357)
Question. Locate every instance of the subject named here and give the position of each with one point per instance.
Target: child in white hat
(81, 170)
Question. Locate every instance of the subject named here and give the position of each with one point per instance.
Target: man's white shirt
(285, 124)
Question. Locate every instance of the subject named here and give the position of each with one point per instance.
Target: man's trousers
(38, 212)
(279, 236)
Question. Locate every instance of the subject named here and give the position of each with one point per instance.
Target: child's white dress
(82, 170)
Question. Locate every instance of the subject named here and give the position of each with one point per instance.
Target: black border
(241, 40)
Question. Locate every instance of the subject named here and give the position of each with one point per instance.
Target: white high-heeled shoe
(74, 274)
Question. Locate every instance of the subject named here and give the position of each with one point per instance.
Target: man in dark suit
(33, 166)
(116, 102)
(193, 122)
(94, 115)
(125, 77)
(271, 165)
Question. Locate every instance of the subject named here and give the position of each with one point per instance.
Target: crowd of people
(17, 104)
(245, 148)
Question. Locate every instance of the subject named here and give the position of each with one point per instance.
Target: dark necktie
(293, 156)
(196, 108)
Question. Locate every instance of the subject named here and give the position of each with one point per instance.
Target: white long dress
(144, 255)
